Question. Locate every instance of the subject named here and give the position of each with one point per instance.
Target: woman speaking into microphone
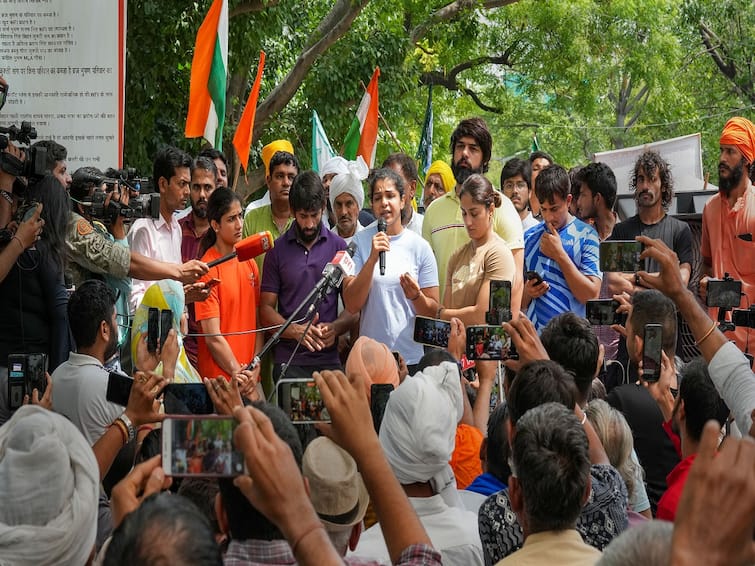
(389, 302)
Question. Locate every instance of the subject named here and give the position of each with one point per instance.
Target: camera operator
(99, 249)
(55, 164)
(8, 199)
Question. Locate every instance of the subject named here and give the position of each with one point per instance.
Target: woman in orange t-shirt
(232, 305)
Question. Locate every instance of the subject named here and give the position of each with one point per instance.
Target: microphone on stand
(382, 226)
(248, 248)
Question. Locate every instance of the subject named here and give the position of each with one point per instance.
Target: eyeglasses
(510, 186)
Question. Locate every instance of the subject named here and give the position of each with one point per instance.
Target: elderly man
(439, 179)
(346, 198)
(418, 434)
(729, 217)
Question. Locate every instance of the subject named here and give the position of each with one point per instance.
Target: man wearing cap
(729, 217)
(337, 491)
(417, 435)
(439, 179)
(346, 198)
(281, 166)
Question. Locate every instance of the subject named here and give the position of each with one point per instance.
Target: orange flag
(242, 139)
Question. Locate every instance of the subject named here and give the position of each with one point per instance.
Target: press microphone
(382, 227)
(342, 265)
(248, 248)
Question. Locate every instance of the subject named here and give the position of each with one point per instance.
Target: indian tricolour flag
(362, 136)
(208, 77)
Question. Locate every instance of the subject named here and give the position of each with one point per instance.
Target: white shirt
(529, 221)
(415, 224)
(359, 228)
(156, 239)
(452, 531)
(80, 389)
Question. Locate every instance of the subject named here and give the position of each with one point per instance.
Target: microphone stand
(318, 294)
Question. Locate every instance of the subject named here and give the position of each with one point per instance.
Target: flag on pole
(425, 150)
(242, 139)
(361, 138)
(535, 145)
(321, 148)
(208, 77)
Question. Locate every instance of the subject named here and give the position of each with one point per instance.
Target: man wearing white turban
(49, 483)
(346, 198)
(417, 435)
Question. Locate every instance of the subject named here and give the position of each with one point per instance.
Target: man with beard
(596, 197)
(292, 269)
(653, 187)
(515, 184)
(204, 179)
(443, 227)
(221, 163)
(729, 217)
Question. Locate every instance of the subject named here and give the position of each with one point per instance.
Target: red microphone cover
(254, 245)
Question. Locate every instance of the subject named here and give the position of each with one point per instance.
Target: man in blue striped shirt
(562, 251)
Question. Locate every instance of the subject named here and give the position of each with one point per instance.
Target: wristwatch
(129, 426)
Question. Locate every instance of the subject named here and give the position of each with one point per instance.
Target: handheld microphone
(382, 226)
(248, 248)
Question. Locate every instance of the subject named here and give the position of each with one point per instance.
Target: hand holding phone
(431, 331)
(652, 350)
(488, 342)
(499, 307)
(301, 400)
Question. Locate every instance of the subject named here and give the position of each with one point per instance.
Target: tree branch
(450, 11)
(252, 6)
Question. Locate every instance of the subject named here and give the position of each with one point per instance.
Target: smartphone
(602, 312)
(499, 306)
(533, 276)
(36, 369)
(187, 399)
(397, 357)
(725, 293)
(431, 331)
(379, 394)
(621, 256)
(153, 329)
(26, 372)
(118, 388)
(200, 447)
(489, 342)
(166, 323)
(651, 352)
(300, 399)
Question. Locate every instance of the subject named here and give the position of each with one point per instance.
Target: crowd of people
(572, 451)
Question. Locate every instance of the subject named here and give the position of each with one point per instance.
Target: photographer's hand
(144, 480)
(29, 232)
(526, 341)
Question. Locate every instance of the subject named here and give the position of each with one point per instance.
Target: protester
(439, 179)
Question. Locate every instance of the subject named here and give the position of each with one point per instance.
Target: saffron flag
(425, 150)
(321, 148)
(208, 77)
(242, 139)
(361, 138)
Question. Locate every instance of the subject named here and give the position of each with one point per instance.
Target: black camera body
(34, 164)
(724, 293)
(744, 317)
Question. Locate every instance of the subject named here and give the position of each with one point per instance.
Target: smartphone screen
(621, 256)
(187, 399)
(602, 312)
(489, 342)
(379, 394)
(651, 352)
(300, 399)
(36, 367)
(118, 388)
(16, 380)
(431, 331)
(500, 301)
(166, 323)
(200, 447)
(724, 293)
(153, 329)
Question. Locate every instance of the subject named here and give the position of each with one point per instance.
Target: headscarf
(336, 164)
(740, 132)
(419, 424)
(49, 487)
(374, 361)
(350, 182)
(444, 170)
(272, 148)
(465, 460)
(165, 294)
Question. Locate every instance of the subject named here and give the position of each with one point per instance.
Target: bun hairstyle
(481, 190)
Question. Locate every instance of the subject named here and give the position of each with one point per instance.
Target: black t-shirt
(674, 233)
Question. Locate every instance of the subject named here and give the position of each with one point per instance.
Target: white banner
(683, 154)
(64, 62)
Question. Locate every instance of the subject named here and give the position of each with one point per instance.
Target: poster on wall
(64, 62)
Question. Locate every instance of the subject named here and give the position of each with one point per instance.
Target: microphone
(248, 248)
(382, 227)
(342, 265)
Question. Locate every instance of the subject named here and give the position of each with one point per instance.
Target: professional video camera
(35, 162)
(139, 206)
(744, 317)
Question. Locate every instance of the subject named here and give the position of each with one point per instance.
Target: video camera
(35, 162)
(744, 317)
(139, 206)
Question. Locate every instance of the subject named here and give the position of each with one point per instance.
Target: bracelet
(147, 427)
(317, 527)
(7, 196)
(121, 427)
(20, 243)
(710, 331)
(417, 297)
(440, 310)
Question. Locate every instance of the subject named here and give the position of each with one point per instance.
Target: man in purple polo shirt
(291, 270)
